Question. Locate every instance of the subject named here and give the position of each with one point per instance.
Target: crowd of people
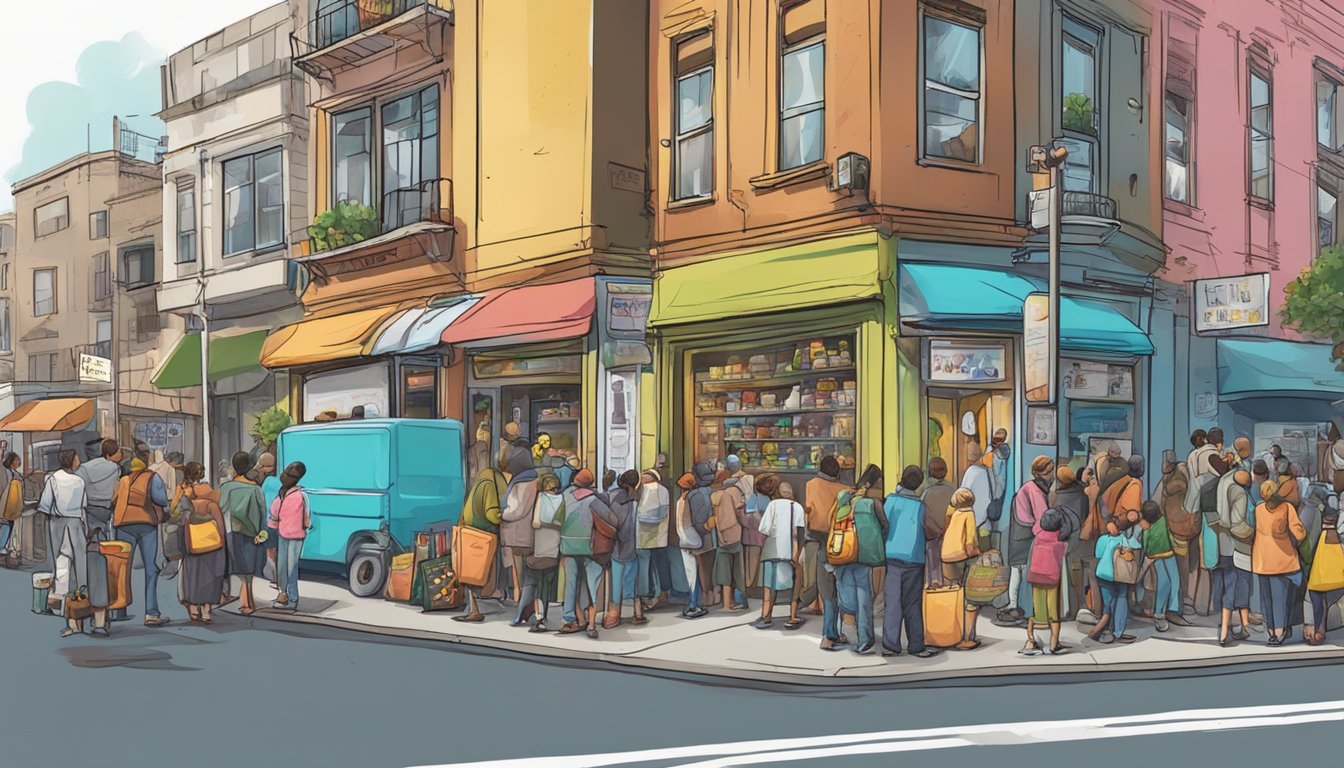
(1094, 544)
(176, 525)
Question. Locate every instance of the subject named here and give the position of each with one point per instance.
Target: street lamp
(1051, 159)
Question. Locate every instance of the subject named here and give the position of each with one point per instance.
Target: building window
(1178, 148)
(1262, 136)
(97, 225)
(147, 320)
(42, 367)
(1327, 217)
(1079, 118)
(1179, 107)
(102, 346)
(4, 277)
(693, 163)
(186, 224)
(254, 206)
(6, 238)
(952, 89)
(1328, 104)
(354, 156)
(52, 217)
(4, 326)
(419, 392)
(44, 292)
(410, 157)
(137, 266)
(802, 81)
(102, 277)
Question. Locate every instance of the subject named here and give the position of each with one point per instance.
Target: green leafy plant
(1078, 113)
(345, 224)
(1314, 301)
(270, 423)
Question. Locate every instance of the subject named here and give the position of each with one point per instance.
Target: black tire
(367, 573)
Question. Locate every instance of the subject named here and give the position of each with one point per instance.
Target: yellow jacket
(960, 540)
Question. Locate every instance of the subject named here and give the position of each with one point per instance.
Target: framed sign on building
(1038, 350)
(979, 362)
(1225, 303)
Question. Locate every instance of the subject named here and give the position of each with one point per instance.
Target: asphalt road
(250, 692)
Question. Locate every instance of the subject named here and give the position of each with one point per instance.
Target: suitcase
(118, 555)
(96, 577)
(399, 578)
(42, 583)
(944, 616)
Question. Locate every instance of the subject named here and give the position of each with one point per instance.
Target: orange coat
(960, 540)
(1277, 532)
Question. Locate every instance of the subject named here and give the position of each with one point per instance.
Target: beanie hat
(137, 464)
(584, 478)
(733, 463)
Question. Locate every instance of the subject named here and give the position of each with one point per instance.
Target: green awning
(229, 356)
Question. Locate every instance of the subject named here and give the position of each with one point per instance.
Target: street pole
(1056, 213)
(205, 388)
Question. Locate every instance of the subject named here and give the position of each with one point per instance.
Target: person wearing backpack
(245, 504)
(1029, 503)
(961, 549)
(139, 505)
(905, 545)
(582, 563)
(854, 579)
(1160, 555)
(696, 538)
(1232, 577)
(819, 500)
(624, 559)
(1119, 542)
(205, 567)
(652, 518)
(11, 499)
(1182, 526)
(1045, 574)
(730, 520)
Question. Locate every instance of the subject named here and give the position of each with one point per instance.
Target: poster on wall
(1038, 349)
(1042, 426)
(628, 306)
(1100, 446)
(959, 361)
(1223, 303)
(1098, 381)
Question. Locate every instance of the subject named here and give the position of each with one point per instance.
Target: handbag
(399, 578)
(77, 605)
(842, 541)
(203, 537)
(987, 579)
(1125, 565)
(441, 590)
(603, 539)
(474, 555)
(170, 540)
(1327, 569)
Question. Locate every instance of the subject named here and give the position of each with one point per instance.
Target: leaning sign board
(94, 368)
(1224, 303)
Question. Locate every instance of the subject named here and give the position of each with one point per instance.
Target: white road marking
(884, 742)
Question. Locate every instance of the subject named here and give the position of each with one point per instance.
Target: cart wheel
(368, 573)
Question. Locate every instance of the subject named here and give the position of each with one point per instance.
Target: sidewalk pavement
(724, 645)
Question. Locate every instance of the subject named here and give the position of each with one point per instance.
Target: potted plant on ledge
(345, 224)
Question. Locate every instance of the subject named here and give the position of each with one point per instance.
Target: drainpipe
(206, 460)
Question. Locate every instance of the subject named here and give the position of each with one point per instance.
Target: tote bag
(1327, 569)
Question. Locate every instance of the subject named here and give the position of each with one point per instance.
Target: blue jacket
(1106, 546)
(905, 528)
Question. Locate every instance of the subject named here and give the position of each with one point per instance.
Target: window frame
(6, 329)
(51, 358)
(4, 276)
(925, 12)
(37, 214)
(252, 157)
(190, 235)
(782, 114)
(53, 301)
(146, 260)
(98, 342)
(377, 148)
(1324, 186)
(1189, 162)
(679, 136)
(1096, 49)
(102, 276)
(97, 224)
(1258, 69)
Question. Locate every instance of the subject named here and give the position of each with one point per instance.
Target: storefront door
(959, 419)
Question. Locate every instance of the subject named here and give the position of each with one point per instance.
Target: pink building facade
(1246, 91)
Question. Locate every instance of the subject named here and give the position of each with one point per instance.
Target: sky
(67, 66)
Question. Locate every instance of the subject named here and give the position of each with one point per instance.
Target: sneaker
(696, 613)
(888, 653)
(1032, 650)
(1161, 624)
(157, 621)
(1106, 637)
(539, 627)
(1086, 617)
(865, 649)
(927, 653)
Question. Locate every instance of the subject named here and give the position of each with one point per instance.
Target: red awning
(527, 314)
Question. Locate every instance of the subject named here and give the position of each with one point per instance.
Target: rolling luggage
(944, 616)
(98, 588)
(399, 578)
(118, 555)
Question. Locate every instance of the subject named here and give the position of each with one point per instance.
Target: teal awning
(1276, 368)
(949, 297)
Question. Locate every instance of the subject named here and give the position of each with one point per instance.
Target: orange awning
(325, 339)
(528, 314)
(55, 415)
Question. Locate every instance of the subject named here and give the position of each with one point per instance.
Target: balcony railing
(430, 201)
(337, 21)
(1088, 204)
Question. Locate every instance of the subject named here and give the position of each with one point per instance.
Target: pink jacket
(1028, 506)
(289, 514)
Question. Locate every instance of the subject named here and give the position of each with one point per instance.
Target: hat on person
(137, 464)
(653, 473)
(733, 463)
(1052, 520)
(584, 478)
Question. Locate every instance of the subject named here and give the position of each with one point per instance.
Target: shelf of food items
(779, 409)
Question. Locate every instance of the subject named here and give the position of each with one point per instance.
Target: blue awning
(949, 297)
(1276, 368)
